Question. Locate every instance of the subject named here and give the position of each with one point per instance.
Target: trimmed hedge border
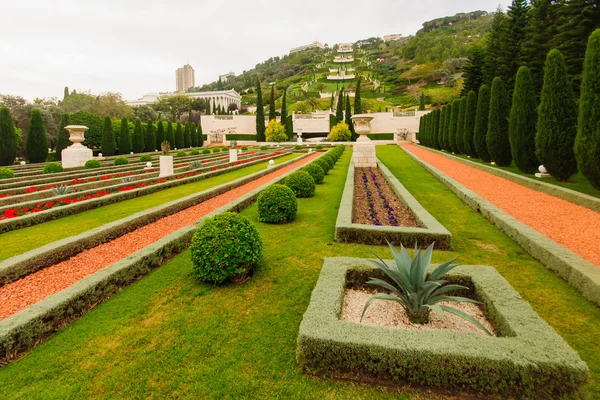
(348, 232)
(31, 326)
(573, 196)
(381, 136)
(529, 359)
(579, 273)
(70, 209)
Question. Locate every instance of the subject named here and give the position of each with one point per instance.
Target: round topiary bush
(194, 152)
(92, 164)
(323, 164)
(329, 159)
(264, 147)
(146, 158)
(297, 147)
(206, 151)
(275, 132)
(181, 154)
(244, 148)
(226, 246)
(216, 150)
(53, 168)
(277, 204)
(301, 183)
(225, 148)
(316, 172)
(121, 161)
(6, 173)
(319, 147)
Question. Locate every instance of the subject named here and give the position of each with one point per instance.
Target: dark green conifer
(137, 141)
(460, 126)
(200, 135)
(8, 137)
(481, 123)
(469, 129)
(170, 135)
(124, 137)
(497, 141)
(446, 131)
(260, 114)
(150, 138)
(284, 115)
(36, 146)
(108, 145)
(272, 114)
(179, 137)
(522, 121)
(187, 136)
(193, 134)
(473, 72)
(357, 100)
(453, 125)
(160, 134)
(62, 140)
(339, 112)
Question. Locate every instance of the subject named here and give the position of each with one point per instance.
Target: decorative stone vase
(363, 155)
(362, 126)
(77, 154)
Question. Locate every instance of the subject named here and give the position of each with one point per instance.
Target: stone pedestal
(77, 154)
(363, 154)
(299, 140)
(233, 155)
(166, 166)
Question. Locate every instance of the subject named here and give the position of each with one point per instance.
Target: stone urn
(363, 155)
(77, 154)
(362, 126)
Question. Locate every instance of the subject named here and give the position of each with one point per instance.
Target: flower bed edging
(346, 231)
(529, 359)
(579, 273)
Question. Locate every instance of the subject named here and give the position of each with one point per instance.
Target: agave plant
(126, 179)
(414, 290)
(61, 190)
(195, 164)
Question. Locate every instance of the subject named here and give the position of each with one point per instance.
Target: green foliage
(496, 57)
(52, 168)
(470, 116)
(260, 114)
(170, 134)
(108, 146)
(557, 121)
(473, 72)
(264, 148)
(521, 124)
(187, 136)
(8, 137)
(146, 158)
(244, 148)
(297, 147)
(481, 123)
(150, 137)
(415, 291)
(317, 173)
(121, 161)
(498, 144)
(302, 183)
(225, 148)
(6, 173)
(179, 137)
(587, 142)
(62, 138)
(181, 154)
(339, 111)
(124, 137)
(277, 204)
(37, 142)
(319, 147)
(422, 102)
(460, 126)
(340, 133)
(217, 150)
(333, 121)
(205, 151)
(200, 135)
(226, 246)
(275, 132)
(445, 135)
(193, 135)
(93, 136)
(272, 114)
(160, 133)
(453, 125)
(194, 153)
(89, 164)
(137, 141)
(323, 164)
(329, 158)
(357, 99)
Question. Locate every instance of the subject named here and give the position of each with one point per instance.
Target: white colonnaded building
(219, 98)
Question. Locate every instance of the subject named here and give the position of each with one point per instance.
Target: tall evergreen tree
(332, 102)
(272, 114)
(497, 141)
(473, 72)
(8, 137)
(260, 114)
(170, 135)
(517, 22)
(481, 123)
(587, 143)
(284, 115)
(422, 102)
(446, 131)
(521, 124)
(469, 129)
(357, 100)
(187, 136)
(193, 134)
(200, 135)
(339, 112)
(150, 138)
(496, 63)
(66, 92)
(348, 119)
(36, 146)
(62, 140)
(108, 145)
(208, 112)
(557, 120)
(460, 126)
(440, 130)
(137, 141)
(124, 137)
(179, 137)
(220, 84)
(160, 134)
(436, 129)
(452, 127)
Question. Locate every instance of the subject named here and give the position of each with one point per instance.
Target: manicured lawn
(22, 240)
(170, 336)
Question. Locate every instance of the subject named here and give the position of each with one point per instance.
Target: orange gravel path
(570, 225)
(27, 291)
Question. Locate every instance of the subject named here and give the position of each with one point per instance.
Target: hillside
(395, 74)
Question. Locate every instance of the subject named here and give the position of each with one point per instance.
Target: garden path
(572, 226)
(18, 295)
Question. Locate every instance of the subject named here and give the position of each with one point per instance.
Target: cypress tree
(150, 138)
(497, 141)
(521, 123)
(469, 129)
(170, 135)
(348, 119)
(473, 72)
(65, 92)
(179, 137)
(587, 143)
(339, 112)
(453, 125)
(284, 115)
(62, 141)
(160, 134)
(357, 100)
(426, 130)
(36, 147)
(421, 133)
(199, 133)
(332, 102)
(481, 123)
(8, 137)
(137, 142)
(124, 137)
(436, 128)
(557, 120)
(193, 134)
(272, 114)
(517, 22)
(422, 102)
(260, 114)
(108, 144)
(460, 126)
(440, 130)
(496, 63)
(208, 112)
(446, 131)
(187, 136)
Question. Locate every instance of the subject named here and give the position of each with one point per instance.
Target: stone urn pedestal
(363, 155)
(233, 155)
(299, 139)
(166, 166)
(77, 154)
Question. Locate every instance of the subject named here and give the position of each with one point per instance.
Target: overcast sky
(135, 46)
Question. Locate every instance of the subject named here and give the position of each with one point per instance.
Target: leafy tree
(469, 129)
(137, 142)
(200, 135)
(497, 141)
(150, 138)
(8, 137)
(481, 123)
(37, 143)
(357, 104)
(284, 115)
(176, 105)
(272, 114)
(422, 102)
(187, 135)
(160, 134)
(587, 143)
(521, 123)
(460, 126)
(453, 125)
(62, 140)
(193, 134)
(260, 114)
(108, 138)
(496, 63)
(557, 120)
(179, 137)
(473, 72)
(145, 112)
(339, 112)
(124, 137)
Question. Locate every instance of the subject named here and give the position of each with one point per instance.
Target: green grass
(22, 240)
(169, 336)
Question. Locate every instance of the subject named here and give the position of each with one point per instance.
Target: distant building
(227, 76)
(345, 48)
(219, 98)
(313, 45)
(390, 38)
(184, 77)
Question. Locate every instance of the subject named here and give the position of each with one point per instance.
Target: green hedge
(240, 137)
(381, 136)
